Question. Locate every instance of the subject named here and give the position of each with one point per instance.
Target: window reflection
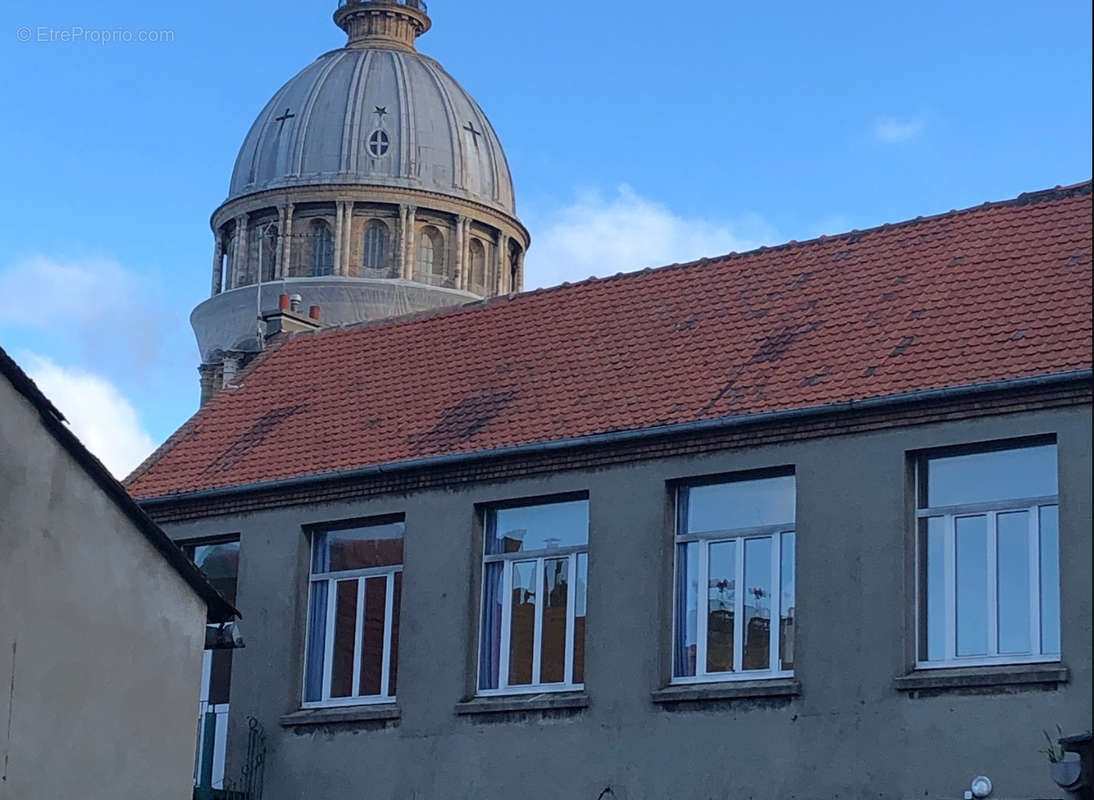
(993, 475)
(512, 530)
(757, 604)
(1012, 590)
(358, 548)
(522, 625)
(721, 605)
(739, 504)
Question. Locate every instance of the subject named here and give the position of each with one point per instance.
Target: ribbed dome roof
(375, 116)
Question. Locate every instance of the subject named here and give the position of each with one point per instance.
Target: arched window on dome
(477, 266)
(269, 253)
(375, 249)
(431, 256)
(322, 253)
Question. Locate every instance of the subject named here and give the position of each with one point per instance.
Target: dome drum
(375, 235)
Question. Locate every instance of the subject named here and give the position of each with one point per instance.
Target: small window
(353, 615)
(430, 255)
(477, 265)
(734, 586)
(375, 245)
(322, 248)
(378, 143)
(535, 571)
(988, 557)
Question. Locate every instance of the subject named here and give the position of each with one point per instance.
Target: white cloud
(602, 236)
(894, 130)
(107, 307)
(96, 412)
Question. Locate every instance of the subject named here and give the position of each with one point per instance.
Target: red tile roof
(994, 292)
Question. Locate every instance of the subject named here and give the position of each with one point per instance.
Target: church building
(810, 521)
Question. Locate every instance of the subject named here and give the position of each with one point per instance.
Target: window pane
(490, 648)
(345, 624)
(220, 563)
(1012, 564)
(522, 626)
(372, 635)
(317, 642)
(687, 601)
(786, 604)
(971, 567)
(757, 614)
(396, 599)
(552, 655)
(997, 475)
(358, 548)
(581, 579)
(932, 589)
(738, 504)
(721, 597)
(1050, 580)
(512, 530)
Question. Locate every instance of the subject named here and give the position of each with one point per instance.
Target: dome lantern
(382, 23)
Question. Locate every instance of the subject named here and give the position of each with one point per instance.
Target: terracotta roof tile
(995, 292)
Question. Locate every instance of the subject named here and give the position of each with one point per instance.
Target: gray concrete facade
(850, 732)
(101, 638)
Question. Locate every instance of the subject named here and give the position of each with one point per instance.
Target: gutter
(615, 437)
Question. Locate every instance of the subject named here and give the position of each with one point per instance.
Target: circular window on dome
(378, 143)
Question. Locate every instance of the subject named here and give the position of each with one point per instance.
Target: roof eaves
(613, 437)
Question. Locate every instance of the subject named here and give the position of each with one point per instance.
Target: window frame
(540, 557)
(990, 510)
(739, 536)
(332, 579)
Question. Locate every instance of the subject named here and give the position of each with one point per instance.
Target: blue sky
(634, 138)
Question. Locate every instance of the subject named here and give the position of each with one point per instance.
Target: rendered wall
(849, 734)
(100, 639)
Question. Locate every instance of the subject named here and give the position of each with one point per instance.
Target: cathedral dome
(375, 113)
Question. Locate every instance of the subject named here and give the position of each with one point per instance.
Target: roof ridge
(1025, 198)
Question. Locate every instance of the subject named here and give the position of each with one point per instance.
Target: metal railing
(415, 4)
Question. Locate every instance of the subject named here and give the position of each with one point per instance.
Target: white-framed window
(987, 556)
(535, 574)
(733, 594)
(353, 614)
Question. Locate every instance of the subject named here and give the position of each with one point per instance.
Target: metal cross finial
(474, 133)
(283, 119)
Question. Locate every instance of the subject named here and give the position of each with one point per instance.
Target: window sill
(341, 714)
(728, 690)
(982, 677)
(546, 701)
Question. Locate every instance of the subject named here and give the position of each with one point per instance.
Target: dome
(380, 116)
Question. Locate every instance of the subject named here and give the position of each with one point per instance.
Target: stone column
(218, 257)
(408, 252)
(400, 244)
(347, 236)
(241, 252)
(339, 215)
(286, 242)
(458, 274)
(520, 272)
(279, 241)
(502, 262)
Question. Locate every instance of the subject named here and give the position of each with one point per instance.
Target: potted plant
(1065, 768)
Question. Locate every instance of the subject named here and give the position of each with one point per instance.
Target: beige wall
(100, 639)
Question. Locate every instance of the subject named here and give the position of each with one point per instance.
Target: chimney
(295, 302)
(313, 312)
(283, 302)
